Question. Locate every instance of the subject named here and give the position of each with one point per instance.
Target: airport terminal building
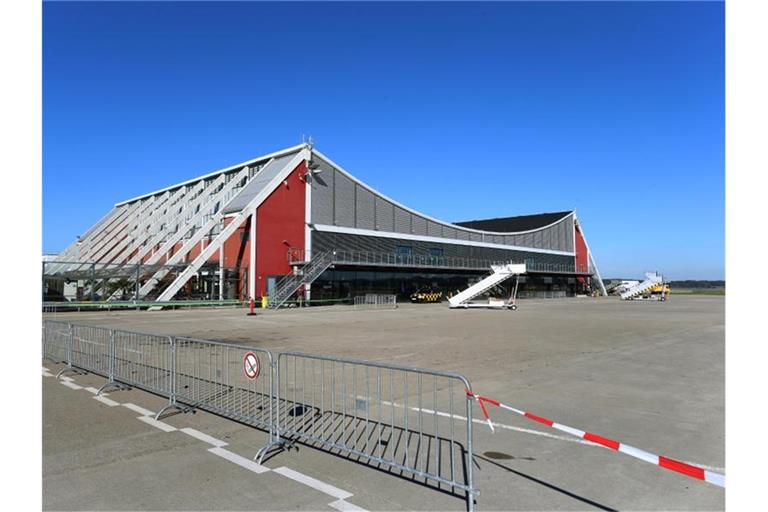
(296, 224)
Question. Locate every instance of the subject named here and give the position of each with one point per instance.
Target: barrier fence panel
(230, 380)
(143, 360)
(373, 301)
(407, 419)
(55, 341)
(90, 348)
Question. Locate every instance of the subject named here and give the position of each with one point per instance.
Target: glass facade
(346, 284)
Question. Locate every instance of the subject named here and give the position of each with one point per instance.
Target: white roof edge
(414, 212)
(214, 173)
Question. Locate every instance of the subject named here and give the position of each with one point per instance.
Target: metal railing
(288, 285)
(391, 259)
(375, 301)
(65, 306)
(399, 419)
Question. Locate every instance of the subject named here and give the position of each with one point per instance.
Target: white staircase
(499, 274)
(651, 280)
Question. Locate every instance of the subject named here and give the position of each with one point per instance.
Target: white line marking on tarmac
(147, 417)
(106, 400)
(239, 460)
(313, 483)
(345, 506)
(534, 432)
(501, 425)
(203, 437)
(157, 424)
(47, 374)
(138, 409)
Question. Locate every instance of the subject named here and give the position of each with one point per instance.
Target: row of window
(407, 250)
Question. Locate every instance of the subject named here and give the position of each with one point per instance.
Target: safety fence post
(470, 456)
(276, 442)
(173, 379)
(69, 345)
(70, 368)
(111, 356)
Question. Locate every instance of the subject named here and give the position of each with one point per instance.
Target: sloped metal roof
(518, 223)
(257, 184)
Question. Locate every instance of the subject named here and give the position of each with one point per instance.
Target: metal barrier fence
(90, 348)
(374, 301)
(225, 379)
(143, 360)
(405, 418)
(55, 341)
(396, 418)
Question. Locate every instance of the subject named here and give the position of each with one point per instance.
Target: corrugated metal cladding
(339, 201)
(344, 201)
(385, 215)
(365, 214)
(434, 229)
(322, 241)
(418, 225)
(402, 221)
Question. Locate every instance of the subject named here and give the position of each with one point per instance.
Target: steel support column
(252, 258)
(93, 282)
(138, 284)
(221, 272)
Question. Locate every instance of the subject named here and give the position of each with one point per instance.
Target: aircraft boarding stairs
(651, 279)
(499, 274)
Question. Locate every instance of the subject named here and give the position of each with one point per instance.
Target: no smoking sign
(251, 365)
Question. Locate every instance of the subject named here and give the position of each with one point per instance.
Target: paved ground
(648, 374)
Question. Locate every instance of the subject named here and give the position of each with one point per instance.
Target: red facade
(582, 263)
(280, 227)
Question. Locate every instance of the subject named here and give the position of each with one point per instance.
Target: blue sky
(461, 111)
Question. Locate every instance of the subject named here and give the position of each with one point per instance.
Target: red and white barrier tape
(665, 462)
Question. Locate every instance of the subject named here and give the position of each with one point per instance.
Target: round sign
(251, 365)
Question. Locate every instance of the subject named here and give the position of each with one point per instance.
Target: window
(436, 252)
(404, 250)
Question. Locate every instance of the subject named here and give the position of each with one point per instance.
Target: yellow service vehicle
(661, 290)
(425, 296)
